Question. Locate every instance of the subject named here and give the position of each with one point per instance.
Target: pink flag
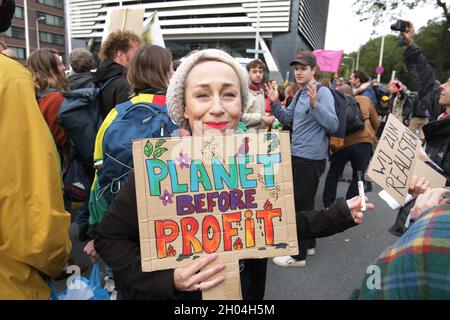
(329, 61)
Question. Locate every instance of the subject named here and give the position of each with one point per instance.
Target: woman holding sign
(206, 96)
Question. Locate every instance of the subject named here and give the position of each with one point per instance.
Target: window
(18, 52)
(19, 14)
(48, 37)
(15, 32)
(52, 3)
(51, 19)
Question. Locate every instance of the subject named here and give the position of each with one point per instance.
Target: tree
(427, 38)
(381, 10)
(370, 54)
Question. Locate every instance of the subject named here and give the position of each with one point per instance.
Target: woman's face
(61, 66)
(213, 98)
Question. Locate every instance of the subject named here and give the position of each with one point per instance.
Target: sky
(341, 18)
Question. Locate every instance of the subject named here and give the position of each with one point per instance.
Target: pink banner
(329, 61)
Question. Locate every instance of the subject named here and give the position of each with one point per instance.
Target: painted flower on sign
(184, 160)
(166, 198)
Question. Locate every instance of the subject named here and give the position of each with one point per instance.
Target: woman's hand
(409, 36)
(199, 277)
(271, 93)
(355, 205)
(431, 198)
(268, 120)
(90, 251)
(418, 186)
(423, 156)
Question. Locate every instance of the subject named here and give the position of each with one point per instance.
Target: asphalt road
(341, 261)
(337, 268)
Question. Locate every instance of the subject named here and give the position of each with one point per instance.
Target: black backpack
(354, 118)
(80, 117)
(340, 107)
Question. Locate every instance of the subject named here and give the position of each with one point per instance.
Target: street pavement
(337, 268)
(341, 261)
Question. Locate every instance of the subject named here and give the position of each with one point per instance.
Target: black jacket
(117, 242)
(414, 107)
(117, 91)
(437, 137)
(80, 81)
(424, 78)
(6, 14)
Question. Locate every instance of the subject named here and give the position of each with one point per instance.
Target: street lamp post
(357, 60)
(346, 74)
(353, 62)
(37, 31)
(380, 64)
(257, 30)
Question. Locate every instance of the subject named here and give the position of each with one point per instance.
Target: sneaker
(288, 261)
(311, 252)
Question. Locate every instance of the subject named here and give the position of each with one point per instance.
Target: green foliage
(433, 39)
(428, 38)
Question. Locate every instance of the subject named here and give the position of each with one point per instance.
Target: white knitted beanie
(175, 92)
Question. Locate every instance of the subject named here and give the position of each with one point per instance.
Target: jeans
(359, 156)
(306, 175)
(83, 217)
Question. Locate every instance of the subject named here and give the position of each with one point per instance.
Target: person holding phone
(312, 117)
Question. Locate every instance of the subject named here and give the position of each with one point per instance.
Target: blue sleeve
(285, 116)
(325, 113)
(370, 93)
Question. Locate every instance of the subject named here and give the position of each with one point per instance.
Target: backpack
(76, 182)
(355, 120)
(80, 117)
(383, 94)
(340, 107)
(133, 121)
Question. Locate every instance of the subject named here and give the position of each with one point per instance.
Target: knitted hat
(175, 98)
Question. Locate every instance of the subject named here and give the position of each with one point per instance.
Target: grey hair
(81, 60)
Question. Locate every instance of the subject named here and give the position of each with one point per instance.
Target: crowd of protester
(36, 206)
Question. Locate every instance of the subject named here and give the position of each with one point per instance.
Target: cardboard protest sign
(396, 160)
(231, 195)
(123, 19)
(328, 60)
(151, 31)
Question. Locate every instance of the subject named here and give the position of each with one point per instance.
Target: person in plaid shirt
(417, 267)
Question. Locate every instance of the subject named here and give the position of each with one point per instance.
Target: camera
(401, 26)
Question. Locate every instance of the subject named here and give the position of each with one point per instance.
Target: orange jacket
(49, 104)
(372, 123)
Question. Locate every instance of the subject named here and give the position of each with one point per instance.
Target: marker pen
(361, 191)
